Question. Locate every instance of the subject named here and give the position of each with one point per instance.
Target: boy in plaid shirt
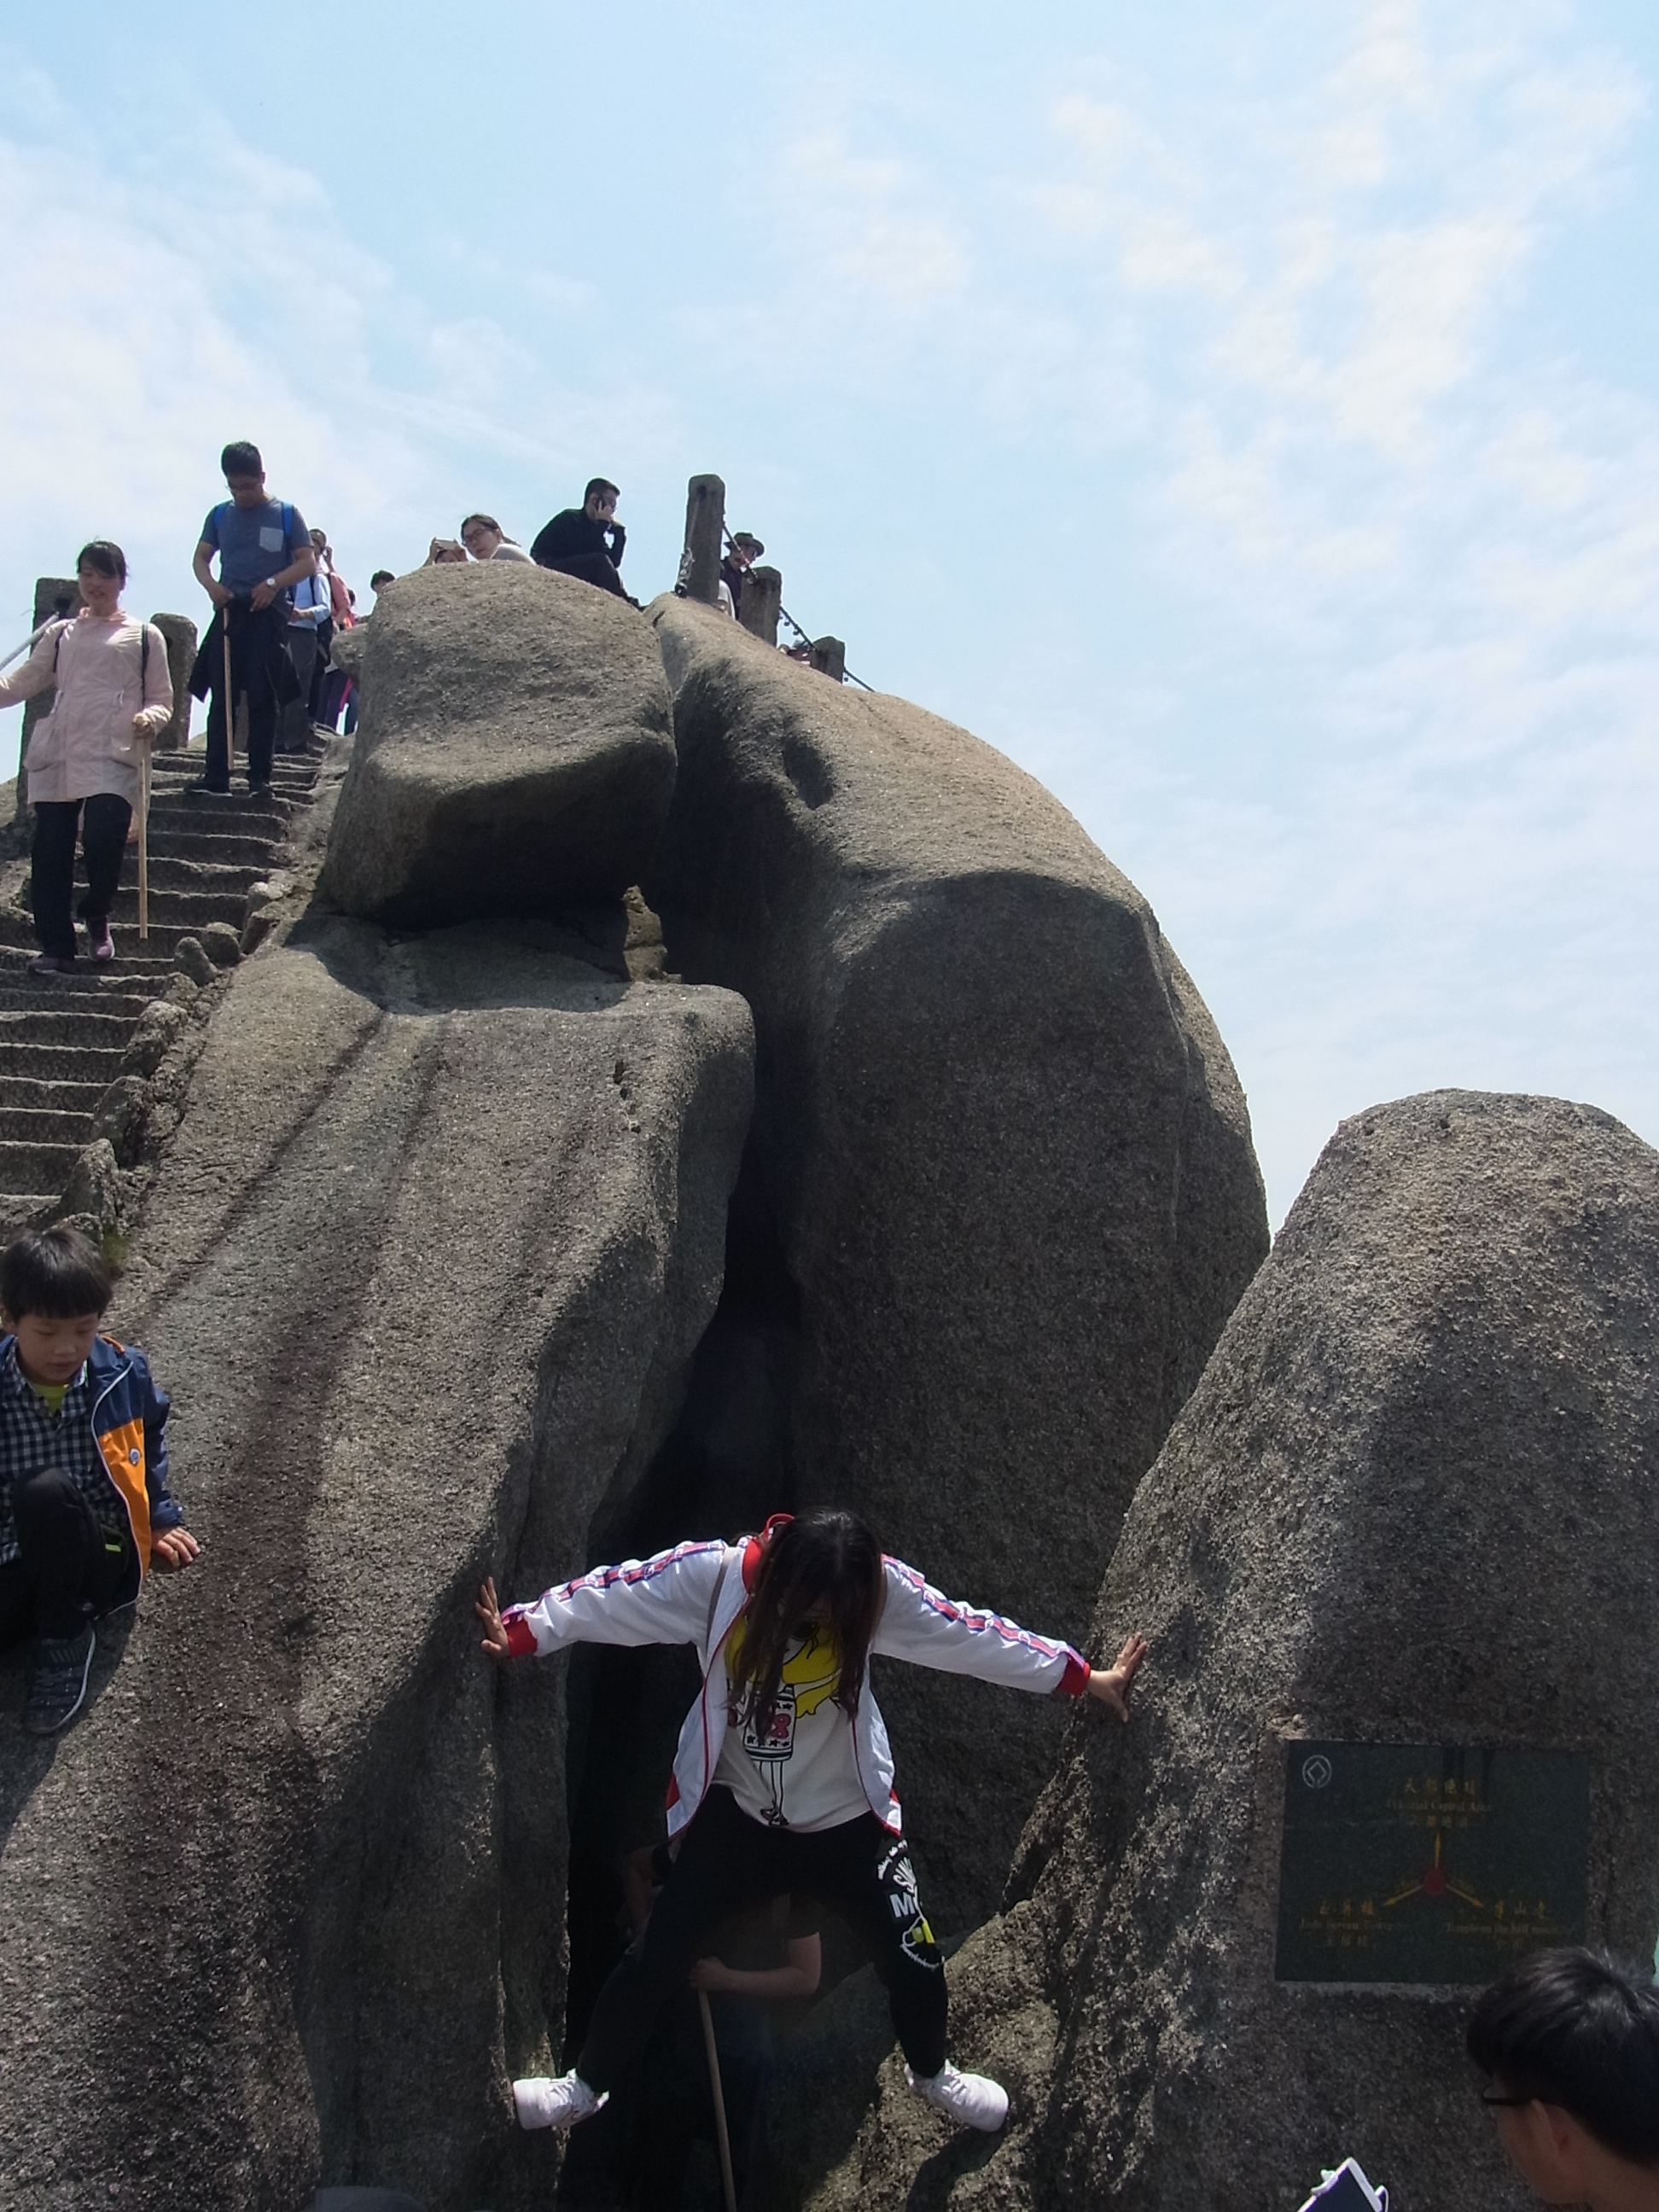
(84, 1507)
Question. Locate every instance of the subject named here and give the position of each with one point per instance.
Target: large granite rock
(423, 1273)
(1411, 1502)
(1000, 1196)
(513, 752)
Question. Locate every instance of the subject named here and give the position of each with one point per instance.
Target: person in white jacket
(114, 697)
(783, 1780)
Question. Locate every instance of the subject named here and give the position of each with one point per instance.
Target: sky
(1247, 418)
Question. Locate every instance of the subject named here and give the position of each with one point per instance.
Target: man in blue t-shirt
(263, 548)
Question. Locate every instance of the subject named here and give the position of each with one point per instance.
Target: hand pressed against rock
(173, 1549)
(488, 1612)
(1111, 1685)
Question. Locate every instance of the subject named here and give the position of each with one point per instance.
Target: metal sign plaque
(1428, 1863)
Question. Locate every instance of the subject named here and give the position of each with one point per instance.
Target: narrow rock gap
(725, 1466)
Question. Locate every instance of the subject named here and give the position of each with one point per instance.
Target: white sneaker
(973, 2100)
(540, 2103)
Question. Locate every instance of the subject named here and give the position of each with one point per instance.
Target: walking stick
(720, 2135)
(230, 702)
(143, 844)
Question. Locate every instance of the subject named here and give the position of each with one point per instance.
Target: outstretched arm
(920, 1623)
(666, 1599)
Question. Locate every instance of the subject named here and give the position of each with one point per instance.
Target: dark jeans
(256, 638)
(593, 568)
(296, 719)
(726, 1862)
(103, 837)
(71, 1565)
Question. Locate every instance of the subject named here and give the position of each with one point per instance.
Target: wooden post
(705, 528)
(49, 592)
(829, 658)
(757, 609)
(180, 632)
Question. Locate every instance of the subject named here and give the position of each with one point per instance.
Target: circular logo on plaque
(1316, 1771)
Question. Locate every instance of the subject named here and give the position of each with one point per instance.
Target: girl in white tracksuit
(783, 1780)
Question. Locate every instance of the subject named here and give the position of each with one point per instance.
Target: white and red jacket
(697, 1593)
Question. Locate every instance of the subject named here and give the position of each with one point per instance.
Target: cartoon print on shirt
(811, 1674)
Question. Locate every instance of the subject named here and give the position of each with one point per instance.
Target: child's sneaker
(973, 2100)
(540, 2103)
(57, 1681)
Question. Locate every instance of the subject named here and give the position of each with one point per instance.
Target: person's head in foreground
(101, 571)
(481, 534)
(245, 473)
(54, 1288)
(1569, 2042)
(820, 1573)
(600, 499)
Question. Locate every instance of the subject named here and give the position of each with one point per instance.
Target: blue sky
(1248, 419)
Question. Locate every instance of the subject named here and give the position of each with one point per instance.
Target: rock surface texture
(1000, 1196)
(1412, 1501)
(513, 757)
(423, 1270)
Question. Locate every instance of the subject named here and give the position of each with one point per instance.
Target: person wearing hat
(743, 549)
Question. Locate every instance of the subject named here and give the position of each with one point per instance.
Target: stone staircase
(63, 1037)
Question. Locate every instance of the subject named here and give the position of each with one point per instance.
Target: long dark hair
(830, 1559)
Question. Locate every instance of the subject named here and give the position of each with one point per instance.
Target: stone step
(60, 1063)
(41, 1125)
(184, 910)
(172, 870)
(19, 1208)
(69, 993)
(232, 817)
(64, 1024)
(16, 929)
(32, 1091)
(35, 1167)
(177, 789)
(89, 979)
(207, 847)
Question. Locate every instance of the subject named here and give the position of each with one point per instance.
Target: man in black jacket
(587, 541)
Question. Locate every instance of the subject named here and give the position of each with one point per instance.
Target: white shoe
(973, 2100)
(540, 2103)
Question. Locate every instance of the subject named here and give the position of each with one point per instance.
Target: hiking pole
(61, 606)
(230, 702)
(143, 844)
(720, 2135)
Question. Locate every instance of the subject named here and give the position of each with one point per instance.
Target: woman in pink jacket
(114, 697)
(783, 1781)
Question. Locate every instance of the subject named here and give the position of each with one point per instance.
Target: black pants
(727, 1861)
(294, 722)
(257, 637)
(592, 568)
(103, 836)
(71, 1565)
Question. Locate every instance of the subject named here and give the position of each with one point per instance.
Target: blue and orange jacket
(129, 1426)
